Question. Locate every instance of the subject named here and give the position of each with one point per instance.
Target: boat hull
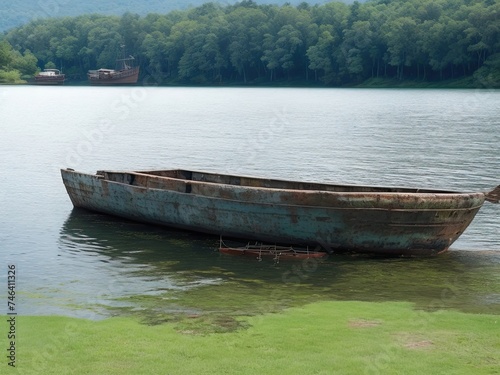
(125, 77)
(384, 223)
(49, 80)
(50, 77)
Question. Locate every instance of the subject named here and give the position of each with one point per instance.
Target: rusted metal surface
(494, 195)
(357, 218)
(277, 254)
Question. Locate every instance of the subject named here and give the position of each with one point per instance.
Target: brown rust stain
(105, 188)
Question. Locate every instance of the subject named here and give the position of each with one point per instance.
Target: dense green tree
(400, 36)
(5, 54)
(320, 55)
(154, 47)
(25, 63)
(356, 49)
(280, 50)
(14, 66)
(246, 27)
(177, 42)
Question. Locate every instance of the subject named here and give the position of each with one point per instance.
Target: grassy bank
(320, 338)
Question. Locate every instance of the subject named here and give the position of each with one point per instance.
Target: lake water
(77, 263)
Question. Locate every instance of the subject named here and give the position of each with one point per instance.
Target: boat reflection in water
(122, 243)
(109, 262)
(119, 259)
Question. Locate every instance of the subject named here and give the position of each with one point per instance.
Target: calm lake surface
(78, 263)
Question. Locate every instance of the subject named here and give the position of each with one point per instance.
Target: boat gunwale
(377, 195)
(433, 192)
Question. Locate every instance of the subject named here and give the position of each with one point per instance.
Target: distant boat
(383, 220)
(124, 74)
(50, 77)
(259, 250)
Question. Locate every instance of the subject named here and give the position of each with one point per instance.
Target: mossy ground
(318, 338)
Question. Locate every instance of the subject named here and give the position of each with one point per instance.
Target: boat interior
(160, 178)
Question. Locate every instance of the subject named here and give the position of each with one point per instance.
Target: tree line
(332, 44)
(15, 13)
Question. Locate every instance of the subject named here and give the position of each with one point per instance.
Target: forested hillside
(16, 13)
(332, 44)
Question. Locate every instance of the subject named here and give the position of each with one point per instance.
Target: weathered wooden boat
(260, 250)
(125, 73)
(50, 77)
(381, 220)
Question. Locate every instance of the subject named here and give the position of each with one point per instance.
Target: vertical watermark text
(11, 315)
